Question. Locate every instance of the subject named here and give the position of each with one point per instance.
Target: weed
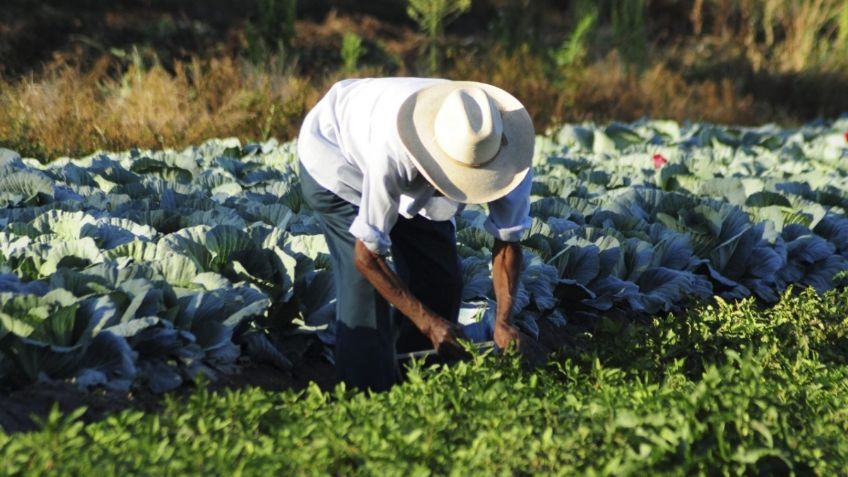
(629, 31)
(431, 17)
(272, 30)
(352, 50)
(780, 35)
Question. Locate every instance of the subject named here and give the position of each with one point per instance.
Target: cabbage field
(692, 276)
(147, 268)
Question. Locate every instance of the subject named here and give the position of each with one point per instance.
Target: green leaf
(76, 254)
(66, 225)
(61, 328)
(190, 241)
(178, 270)
(223, 240)
(579, 260)
(139, 250)
(603, 144)
(25, 188)
(21, 314)
(766, 199)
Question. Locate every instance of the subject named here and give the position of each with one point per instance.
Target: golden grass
(779, 36)
(519, 72)
(70, 112)
(605, 91)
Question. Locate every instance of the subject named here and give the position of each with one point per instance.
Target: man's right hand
(507, 336)
(445, 335)
(442, 333)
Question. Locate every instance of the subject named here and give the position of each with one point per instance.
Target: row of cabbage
(149, 267)
(653, 216)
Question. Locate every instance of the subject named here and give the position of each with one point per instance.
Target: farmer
(386, 163)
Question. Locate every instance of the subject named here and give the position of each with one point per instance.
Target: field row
(149, 267)
(724, 390)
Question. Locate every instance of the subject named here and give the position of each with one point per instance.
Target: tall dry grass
(604, 91)
(72, 112)
(518, 71)
(780, 36)
(607, 93)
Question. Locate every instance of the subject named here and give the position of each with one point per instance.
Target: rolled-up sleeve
(378, 208)
(509, 216)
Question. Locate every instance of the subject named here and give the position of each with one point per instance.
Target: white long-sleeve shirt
(350, 145)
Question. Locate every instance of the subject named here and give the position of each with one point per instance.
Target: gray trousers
(369, 331)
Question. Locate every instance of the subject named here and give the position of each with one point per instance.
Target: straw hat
(472, 141)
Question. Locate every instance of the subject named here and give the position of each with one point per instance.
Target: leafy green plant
(516, 23)
(725, 389)
(629, 18)
(273, 28)
(351, 51)
(842, 30)
(202, 253)
(572, 51)
(570, 58)
(431, 17)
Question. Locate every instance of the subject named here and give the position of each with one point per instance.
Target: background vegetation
(86, 75)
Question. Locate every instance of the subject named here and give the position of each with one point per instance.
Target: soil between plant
(20, 409)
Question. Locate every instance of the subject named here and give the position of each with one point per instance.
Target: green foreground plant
(727, 389)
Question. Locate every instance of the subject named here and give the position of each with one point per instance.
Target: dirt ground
(20, 409)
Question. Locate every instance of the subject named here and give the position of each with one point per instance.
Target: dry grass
(70, 112)
(519, 72)
(605, 91)
(779, 56)
(779, 36)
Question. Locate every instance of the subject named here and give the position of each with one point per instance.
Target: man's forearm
(506, 269)
(374, 268)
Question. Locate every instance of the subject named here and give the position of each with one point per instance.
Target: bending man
(386, 163)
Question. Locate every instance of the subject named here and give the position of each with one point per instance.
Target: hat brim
(470, 185)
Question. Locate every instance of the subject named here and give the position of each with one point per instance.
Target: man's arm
(506, 269)
(442, 333)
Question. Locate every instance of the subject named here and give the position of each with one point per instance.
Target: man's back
(353, 128)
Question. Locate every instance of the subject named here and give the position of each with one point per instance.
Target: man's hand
(507, 336)
(445, 335)
(442, 333)
(506, 266)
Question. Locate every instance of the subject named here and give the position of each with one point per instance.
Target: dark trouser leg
(425, 257)
(365, 351)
